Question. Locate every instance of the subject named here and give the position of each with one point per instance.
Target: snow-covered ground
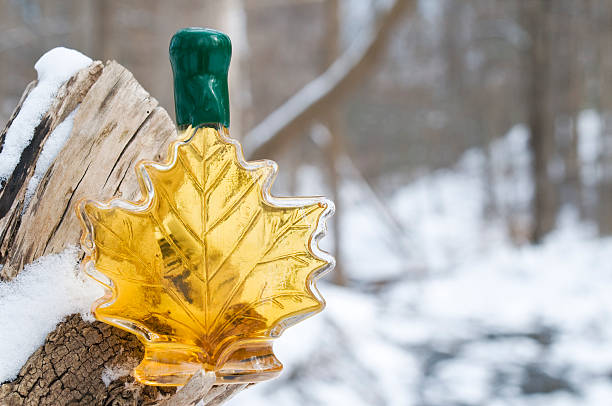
(489, 321)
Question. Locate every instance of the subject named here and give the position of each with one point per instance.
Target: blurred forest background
(450, 134)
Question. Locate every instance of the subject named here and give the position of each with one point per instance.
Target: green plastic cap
(200, 59)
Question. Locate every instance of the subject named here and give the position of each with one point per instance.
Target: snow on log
(30, 309)
(117, 123)
(54, 68)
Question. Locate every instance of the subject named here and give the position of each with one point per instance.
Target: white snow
(591, 146)
(34, 302)
(589, 130)
(54, 144)
(53, 69)
(112, 373)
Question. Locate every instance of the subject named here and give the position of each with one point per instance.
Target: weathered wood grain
(117, 123)
(12, 195)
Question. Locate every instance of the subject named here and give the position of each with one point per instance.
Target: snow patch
(591, 144)
(589, 131)
(53, 69)
(110, 374)
(32, 304)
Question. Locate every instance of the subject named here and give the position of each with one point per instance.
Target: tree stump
(117, 124)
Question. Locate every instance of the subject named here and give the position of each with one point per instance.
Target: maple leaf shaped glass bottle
(207, 268)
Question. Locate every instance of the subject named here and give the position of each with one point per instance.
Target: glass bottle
(207, 268)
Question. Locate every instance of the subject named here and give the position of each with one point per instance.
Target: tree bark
(536, 19)
(117, 124)
(603, 10)
(68, 369)
(335, 123)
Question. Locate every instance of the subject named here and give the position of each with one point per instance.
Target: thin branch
(343, 76)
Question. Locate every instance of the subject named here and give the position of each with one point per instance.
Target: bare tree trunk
(335, 126)
(568, 91)
(234, 23)
(536, 17)
(604, 209)
(102, 23)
